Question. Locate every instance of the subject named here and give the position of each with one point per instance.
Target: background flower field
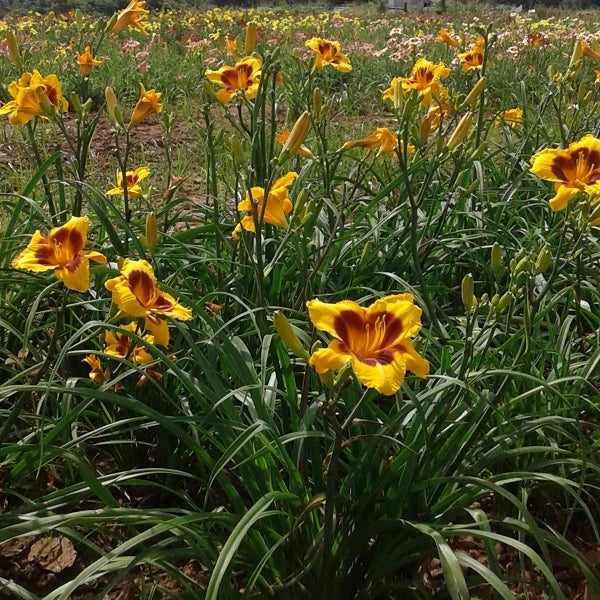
(295, 307)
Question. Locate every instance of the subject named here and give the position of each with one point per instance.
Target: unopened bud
(76, 102)
(250, 42)
(543, 261)
(576, 54)
(475, 92)
(114, 113)
(398, 95)
(496, 259)
(504, 302)
(209, 91)
(288, 335)
(467, 289)
(461, 131)
(47, 107)
(13, 47)
(581, 93)
(424, 129)
(111, 23)
(317, 103)
(237, 150)
(151, 231)
(296, 137)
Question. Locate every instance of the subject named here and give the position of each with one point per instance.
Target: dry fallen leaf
(53, 554)
(16, 546)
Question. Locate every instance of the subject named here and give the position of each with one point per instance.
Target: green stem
(45, 182)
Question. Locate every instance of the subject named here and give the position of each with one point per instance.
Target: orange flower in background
(243, 76)
(62, 252)
(278, 205)
(136, 294)
(591, 51)
(597, 73)
(375, 340)
(512, 117)
(328, 52)
(86, 62)
(473, 58)
(572, 170)
(33, 96)
(132, 16)
(134, 189)
(382, 139)
(147, 105)
(231, 45)
(446, 37)
(97, 373)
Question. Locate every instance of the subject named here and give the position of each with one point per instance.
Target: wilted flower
(134, 189)
(573, 170)
(244, 76)
(382, 139)
(132, 16)
(62, 252)
(328, 52)
(97, 373)
(86, 62)
(147, 105)
(136, 294)
(512, 117)
(375, 340)
(278, 205)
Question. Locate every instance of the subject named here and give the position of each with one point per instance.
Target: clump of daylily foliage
(328, 353)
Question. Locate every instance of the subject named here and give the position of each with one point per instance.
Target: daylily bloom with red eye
(375, 340)
(328, 52)
(118, 343)
(512, 117)
(86, 62)
(62, 252)
(425, 78)
(134, 189)
(136, 294)
(278, 205)
(132, 15)
(97, 373)
(473, 58)
(244, 76)
(302, 150)
(445, 37)
(572, 170)
(383, 140)
(147, 105)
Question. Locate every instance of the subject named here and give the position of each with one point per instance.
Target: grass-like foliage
(292, 307)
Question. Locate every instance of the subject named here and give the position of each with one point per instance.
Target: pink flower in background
(143, 66)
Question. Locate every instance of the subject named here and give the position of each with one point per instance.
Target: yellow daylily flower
(597, 74)
(328, 52)
(375, 340)
(572, 170)
(86, 62)
(132, 15)
(278, 205)
(473, 58)
(118, 343)
(147, 105)
(425, 78)
(136, 294)
(62, 252)
(591, 51)
(244, 76)
(512, 117)
(134, 189)
(382, 139)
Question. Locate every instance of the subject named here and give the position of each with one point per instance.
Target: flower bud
(250, 41)
(496, 259)
(114, 113)
(504, 302)
(543, 261)
(151, 231)
(398, 95)
(237, 150)
(288, 335)
(581, 93)
(467, 289)
(475, 92)
(576, 54)
(209, 91)
(47, 107)
(296, 137)
(76, 103)
(111, 23)
(461, 131)
(13, 47)
(317, 103)
(424, 129)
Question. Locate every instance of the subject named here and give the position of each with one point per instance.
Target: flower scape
(299, 304)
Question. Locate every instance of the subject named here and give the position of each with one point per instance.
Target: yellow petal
(414, 362)
(564, 194)
(403, 318)
(332, 358)
(342, 320)
(384, 372)
(76, 276)
(159, 329)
